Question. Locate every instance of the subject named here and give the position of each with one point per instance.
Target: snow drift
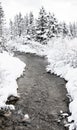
(10, 69)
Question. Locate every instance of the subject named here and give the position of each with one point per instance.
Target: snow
(64, 115)
(62, 61)
(26, 116)
(27, 47)
(10, 69)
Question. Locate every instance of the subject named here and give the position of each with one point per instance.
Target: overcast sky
(63, 9)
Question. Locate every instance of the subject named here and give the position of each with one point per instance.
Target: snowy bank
(26, 46)
(62, 58)
(10, 69)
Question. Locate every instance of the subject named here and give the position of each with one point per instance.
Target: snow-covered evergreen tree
(11, 28)
(71, 29)
(74, 30)
(16, 25)
(20, 24)
(25, 25)
(60, 30)
(41, 26)
(52, 26)
(31, 25)
(65, 29)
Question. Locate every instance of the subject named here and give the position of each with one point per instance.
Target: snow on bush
(10, 69)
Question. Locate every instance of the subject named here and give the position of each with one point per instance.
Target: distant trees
(45, 27)
(18, 25)
(65, 29)
(41, 29)
(22, 26)
(73, 29)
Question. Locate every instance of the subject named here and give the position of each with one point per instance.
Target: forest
(40, 29)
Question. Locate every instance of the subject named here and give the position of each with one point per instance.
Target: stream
(42, 97)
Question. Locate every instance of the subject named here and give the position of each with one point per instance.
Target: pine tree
(74, 29)
(52, 26)
(71, 29)
(65, 29)
(60, 30)
(41, 26)
(25, 25)
(20, 24)
(16, 26)
(31, 25)
(31, 18)
(11, 30)
(1, 20)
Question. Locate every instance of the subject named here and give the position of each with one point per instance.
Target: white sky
(63, 9)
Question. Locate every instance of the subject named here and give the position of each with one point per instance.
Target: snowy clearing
(10, 69)
(62, 58)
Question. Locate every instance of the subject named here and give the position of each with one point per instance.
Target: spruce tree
(71, 29)
(25, 25)
(52, 26)
(31, 25)
(18, 25)
(11, 28)
(41, 26)
(74, 28)
(65, 29)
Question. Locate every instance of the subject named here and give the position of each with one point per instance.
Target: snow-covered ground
(62, 58)
(26, 46)
(10, 69)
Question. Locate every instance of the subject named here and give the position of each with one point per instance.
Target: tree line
(42, 29)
